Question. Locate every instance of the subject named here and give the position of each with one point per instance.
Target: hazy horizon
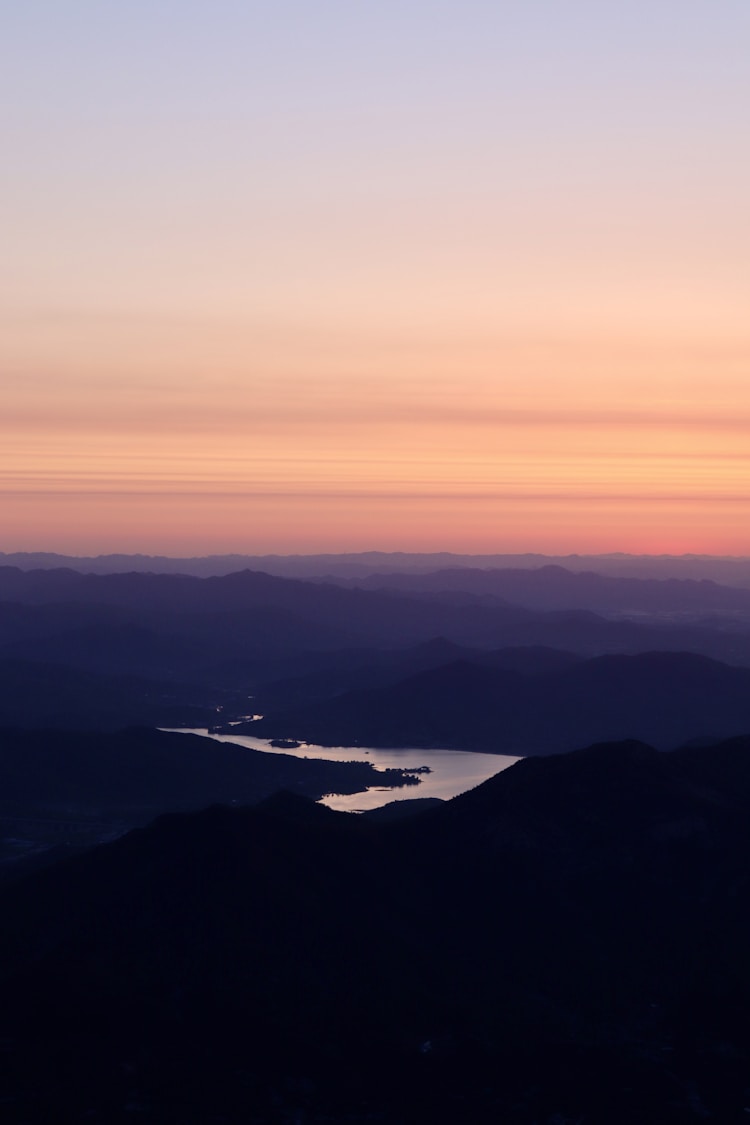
(724, 570)
(378, 552)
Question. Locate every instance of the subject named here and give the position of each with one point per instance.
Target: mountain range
(186, 936)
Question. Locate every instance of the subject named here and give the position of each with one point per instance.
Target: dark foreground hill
(73, 788)
(566, 943)
(143, 772)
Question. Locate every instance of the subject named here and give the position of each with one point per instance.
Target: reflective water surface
(453, 771)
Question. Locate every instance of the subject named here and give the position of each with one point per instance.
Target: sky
(338, 275)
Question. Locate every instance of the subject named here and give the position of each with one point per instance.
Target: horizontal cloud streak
(172, 418)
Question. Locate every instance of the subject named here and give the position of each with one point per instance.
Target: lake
(453, 771)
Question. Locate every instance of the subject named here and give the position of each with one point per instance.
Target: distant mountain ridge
(734, 571)
(333, 613)
(555, 587)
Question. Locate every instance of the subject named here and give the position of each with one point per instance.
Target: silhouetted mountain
(566, 942)
(662, 698)
(443, 707)
(368, 668)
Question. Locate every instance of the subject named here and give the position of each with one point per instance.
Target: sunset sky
(333, 275)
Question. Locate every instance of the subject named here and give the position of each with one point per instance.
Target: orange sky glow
(486, 293)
